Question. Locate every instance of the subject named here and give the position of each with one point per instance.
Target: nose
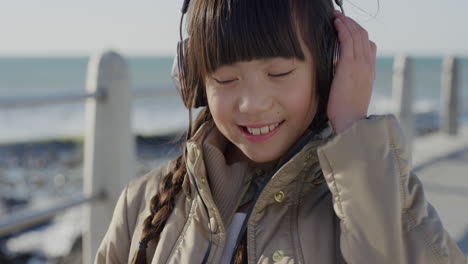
(255, 97)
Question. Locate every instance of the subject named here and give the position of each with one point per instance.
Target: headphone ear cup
(180, 78)
(178, 73)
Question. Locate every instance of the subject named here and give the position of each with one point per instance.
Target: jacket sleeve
(115, 246)
(384, 215)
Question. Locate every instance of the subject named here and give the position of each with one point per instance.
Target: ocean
(164, 114)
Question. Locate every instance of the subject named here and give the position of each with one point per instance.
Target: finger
(352, 31)
(346, 41)
(357, 37)
(373, 47)
(366, 47)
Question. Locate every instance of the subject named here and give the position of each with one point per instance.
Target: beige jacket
(366, 207)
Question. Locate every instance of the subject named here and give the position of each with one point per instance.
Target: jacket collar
(302, 161)
(195, 148)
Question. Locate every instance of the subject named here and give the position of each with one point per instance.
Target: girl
(283, 164)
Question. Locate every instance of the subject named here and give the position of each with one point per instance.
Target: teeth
(262, 130)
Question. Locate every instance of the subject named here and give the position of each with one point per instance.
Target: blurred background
(45, 47)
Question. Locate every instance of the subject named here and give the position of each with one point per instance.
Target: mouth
(261, 132)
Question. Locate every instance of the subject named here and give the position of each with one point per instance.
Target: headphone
(179, 67)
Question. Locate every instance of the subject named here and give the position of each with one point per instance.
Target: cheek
(219, 105)
(301, 102)
(304, 109)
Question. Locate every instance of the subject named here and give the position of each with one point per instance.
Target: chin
(261, 156)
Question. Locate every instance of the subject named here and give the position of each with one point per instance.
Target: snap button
(279, 196)
(278, 255)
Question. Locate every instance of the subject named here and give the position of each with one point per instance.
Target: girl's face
(263, 106)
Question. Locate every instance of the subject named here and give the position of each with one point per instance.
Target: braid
(240, 254)
(161, 207)
(162, 204)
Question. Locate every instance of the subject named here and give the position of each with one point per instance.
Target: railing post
(108, 146)
(402, 93)
(449, 96)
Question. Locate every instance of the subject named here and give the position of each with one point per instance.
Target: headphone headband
(185, 6)
(179, 71)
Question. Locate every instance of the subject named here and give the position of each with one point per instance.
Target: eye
(224, 81)
(281, 74)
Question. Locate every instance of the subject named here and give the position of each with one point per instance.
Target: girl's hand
(351, 88)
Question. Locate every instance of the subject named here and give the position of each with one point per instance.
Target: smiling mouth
(263, 130)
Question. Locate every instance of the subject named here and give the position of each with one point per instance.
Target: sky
(150, 27)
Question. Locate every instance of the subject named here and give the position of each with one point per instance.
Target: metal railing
(26, 219)
(69, 97)
(36, 100)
